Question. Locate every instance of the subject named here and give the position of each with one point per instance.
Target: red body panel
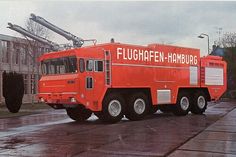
(159, 68)
(216, 91)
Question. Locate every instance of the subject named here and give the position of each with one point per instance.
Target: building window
(26, 83)
(42, 50)
(47, 50)
(33, 84)
(5, 51)
(24, 55)
(16, 53)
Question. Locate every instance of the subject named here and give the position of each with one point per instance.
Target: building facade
(16, 55)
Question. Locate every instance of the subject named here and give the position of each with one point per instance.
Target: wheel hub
(184, 103)
(139, 106)
(114, 108)
(201, 102)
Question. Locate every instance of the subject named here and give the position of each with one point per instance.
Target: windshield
(59, 65)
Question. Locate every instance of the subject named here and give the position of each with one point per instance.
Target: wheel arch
(193, 90)
(125, 92)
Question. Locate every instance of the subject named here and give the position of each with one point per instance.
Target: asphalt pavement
(51, 133)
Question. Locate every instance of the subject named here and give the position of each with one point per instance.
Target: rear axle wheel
(137, 107)
(199, 103)
(183, 105)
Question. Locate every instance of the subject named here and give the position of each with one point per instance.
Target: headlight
(72, 100)
(42, 100)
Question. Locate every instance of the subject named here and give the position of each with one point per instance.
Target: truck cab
(73, 79)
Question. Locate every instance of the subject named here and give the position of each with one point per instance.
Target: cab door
(89, 80)
(94, 81)
(99, 80)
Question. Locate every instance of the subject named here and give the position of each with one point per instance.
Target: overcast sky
(176, 23)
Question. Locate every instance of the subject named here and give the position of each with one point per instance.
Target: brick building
(16, 55)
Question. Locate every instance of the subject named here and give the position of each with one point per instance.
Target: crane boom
(21, 30)
(77, 42)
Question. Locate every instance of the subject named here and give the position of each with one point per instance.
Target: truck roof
(73, 51)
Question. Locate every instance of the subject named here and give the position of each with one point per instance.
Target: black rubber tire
(131, 114)
(105, 114)
(178, 110)
(166, 108)
(79, 113)
(195, 107)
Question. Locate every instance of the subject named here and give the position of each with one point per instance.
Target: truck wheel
(79, 113)
(137, 107)
(113, 108)
(182, 106)
(199, 103)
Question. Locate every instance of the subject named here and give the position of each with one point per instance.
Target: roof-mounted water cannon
(77, 42)
(54, 46)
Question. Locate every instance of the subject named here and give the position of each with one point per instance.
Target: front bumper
(59, 98)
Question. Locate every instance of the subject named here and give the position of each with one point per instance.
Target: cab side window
(81, 65)
(72, 64)
(89, 65)
(98, 66)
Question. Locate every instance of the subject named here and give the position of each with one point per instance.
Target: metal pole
(208, 44)
(208, 41)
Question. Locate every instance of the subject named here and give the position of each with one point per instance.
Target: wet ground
(51, 133)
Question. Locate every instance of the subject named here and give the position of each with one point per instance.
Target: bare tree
(34, 47)
(228, 47)
(228, 40)
(37, 29)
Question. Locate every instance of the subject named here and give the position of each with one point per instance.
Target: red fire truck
(112, 80)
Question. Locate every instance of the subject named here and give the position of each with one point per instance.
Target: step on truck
(114, 80)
